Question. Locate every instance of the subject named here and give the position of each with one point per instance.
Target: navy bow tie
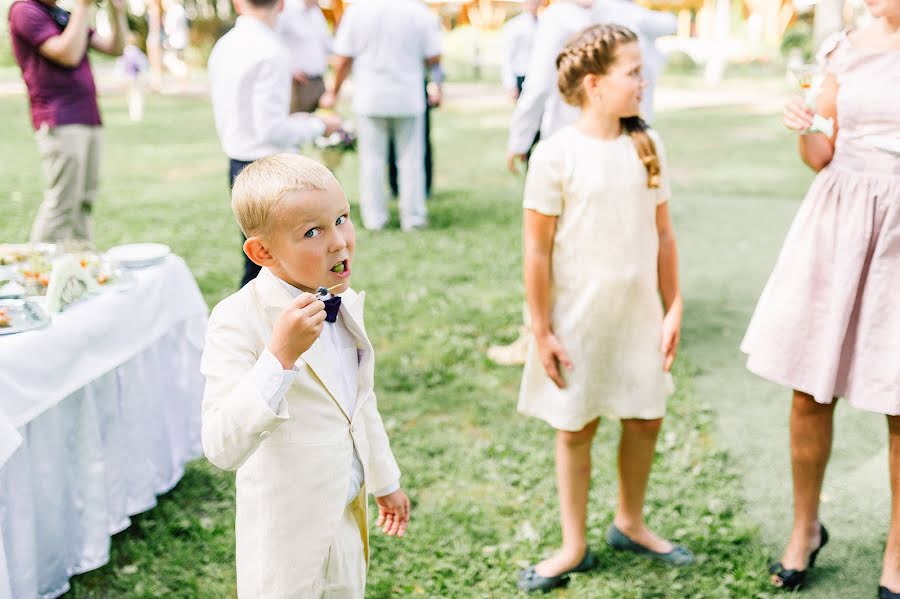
(332, 306)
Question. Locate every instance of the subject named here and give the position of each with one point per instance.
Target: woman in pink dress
(828, 322)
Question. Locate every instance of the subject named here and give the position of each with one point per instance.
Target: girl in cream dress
(601, 280)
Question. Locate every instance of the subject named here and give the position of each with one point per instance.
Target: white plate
(138, 255)
(10, 289)
(885, 143)
(25, 315)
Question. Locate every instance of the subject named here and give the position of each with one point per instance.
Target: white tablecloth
(98, 415)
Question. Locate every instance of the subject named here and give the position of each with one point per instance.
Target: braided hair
(592, 52)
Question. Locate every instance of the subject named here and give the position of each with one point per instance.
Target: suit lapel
(353, 318)
(274, 297)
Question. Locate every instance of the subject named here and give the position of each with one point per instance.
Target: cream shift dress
(605, 307)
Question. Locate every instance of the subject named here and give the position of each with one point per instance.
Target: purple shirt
(59, 95)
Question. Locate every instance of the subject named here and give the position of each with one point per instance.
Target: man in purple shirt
(51, 47)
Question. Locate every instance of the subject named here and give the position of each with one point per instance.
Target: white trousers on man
(409, 140)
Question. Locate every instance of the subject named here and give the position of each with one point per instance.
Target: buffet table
(99, 412)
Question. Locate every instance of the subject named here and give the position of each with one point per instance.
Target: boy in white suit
(289, 400)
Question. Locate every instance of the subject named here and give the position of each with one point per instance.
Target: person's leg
(251, 269)
(636, 449)
(890, 574)
(811, 433)
(573, 481)
(306, 95)
(93, 155)
(392, 167)
(372, 141)
(63, 151)
(409, 135)
(296, 97)
(429, 156)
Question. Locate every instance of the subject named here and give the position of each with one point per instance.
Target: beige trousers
(70, 155)
(305, 96)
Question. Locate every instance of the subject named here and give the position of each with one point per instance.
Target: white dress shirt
(518, 37)
(389, 42)
(540, 106)
(273, 382)
(305, 32)
(250, 79)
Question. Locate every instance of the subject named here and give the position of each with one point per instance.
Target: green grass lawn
(481, 477)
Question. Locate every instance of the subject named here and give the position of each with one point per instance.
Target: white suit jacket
(293, 467)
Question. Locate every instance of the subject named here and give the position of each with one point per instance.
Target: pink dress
(828, 321)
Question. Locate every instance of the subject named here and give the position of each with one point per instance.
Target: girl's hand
(511, 159)
(797, 115)
(552, 356)
(671, 336)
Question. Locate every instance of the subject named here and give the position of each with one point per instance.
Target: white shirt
(518, 37)
(305, 33)
(273, 383)
(540, 106)
(175, 26)
(389, 42)
(250, 79)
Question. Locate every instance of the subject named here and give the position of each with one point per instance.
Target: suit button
(263, 434)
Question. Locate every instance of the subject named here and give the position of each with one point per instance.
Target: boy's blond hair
(263, 183)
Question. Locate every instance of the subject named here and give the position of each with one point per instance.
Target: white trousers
(409, 138)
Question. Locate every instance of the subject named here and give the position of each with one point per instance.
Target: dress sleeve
(544, 182)
(831, 52)
(664, 191)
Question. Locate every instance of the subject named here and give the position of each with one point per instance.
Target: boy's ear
(258, 252)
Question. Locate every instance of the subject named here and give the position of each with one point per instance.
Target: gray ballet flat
(679, 556)
(530, 581)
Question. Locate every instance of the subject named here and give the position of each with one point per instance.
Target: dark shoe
(885, 593)
(794, 579)
(530, 580)
(679, 556)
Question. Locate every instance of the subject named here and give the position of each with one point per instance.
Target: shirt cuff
(272, 380)
(395, 486)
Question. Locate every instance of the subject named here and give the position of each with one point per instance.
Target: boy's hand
(298, 327)
(393, 513)
(671, 336)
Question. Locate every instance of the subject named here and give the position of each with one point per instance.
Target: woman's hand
(797, 115)
(553, 355)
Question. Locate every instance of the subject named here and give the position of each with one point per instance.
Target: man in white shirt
(540, 106)
(518, 38)
(305, 32)
(388, 43)
(250, 80)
